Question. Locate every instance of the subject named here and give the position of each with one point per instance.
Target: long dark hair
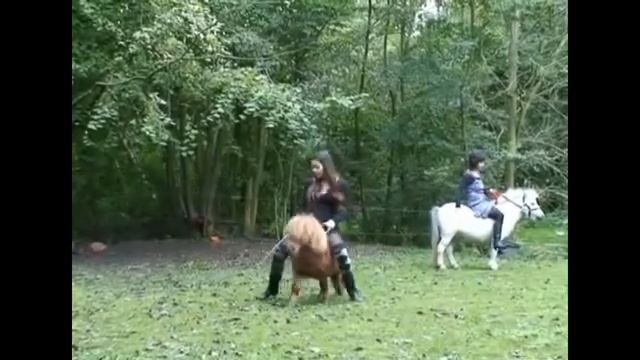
(329, 174)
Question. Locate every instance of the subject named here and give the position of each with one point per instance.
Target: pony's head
(527, 200)
(306, 231)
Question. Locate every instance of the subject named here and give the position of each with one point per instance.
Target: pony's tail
(305, 231)
(435, 231)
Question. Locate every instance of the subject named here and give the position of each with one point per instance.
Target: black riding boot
(277, 267)
(497, 236)
(347, 276)
(498, 218)
(510, 242)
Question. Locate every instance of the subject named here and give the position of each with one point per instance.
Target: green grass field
(203, 309)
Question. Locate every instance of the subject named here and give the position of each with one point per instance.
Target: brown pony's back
(306, 231)
(310, 255)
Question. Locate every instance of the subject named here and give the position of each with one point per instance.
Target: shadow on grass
(309, 300)
(428, 266)
(474, 267)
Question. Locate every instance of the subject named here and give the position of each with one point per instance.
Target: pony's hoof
(493, 265)
(441, 267)
(455, 267)
(293, 300)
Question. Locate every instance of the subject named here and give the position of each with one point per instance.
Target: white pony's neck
(512, 212)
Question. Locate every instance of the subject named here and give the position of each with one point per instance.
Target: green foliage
(170, 97)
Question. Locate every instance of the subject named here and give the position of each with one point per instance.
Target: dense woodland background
(194, 116)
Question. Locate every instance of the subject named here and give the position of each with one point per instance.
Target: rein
(274, 247)
(278, 244)
(523, 206)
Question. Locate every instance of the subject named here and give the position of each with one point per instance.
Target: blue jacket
(472, 193)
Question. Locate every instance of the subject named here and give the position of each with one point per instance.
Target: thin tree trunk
(356, 121)
(392, 98)
(262, 152)
(248, 203)
(463, 126)
(185, 179)
(211, 166)
(513, 99)
(239, 170)
(401, 154)
(253, 183)
(173, 182)
(289, 183)
(249, 175)
(472, 17)
(217, 172)
(207, 164)
(199, 167)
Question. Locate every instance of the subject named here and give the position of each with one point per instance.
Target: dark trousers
(498, 217)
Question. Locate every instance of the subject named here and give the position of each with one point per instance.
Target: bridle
(524, 205)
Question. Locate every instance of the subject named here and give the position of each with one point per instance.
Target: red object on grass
(97, 247)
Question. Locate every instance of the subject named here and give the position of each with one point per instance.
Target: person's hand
(329, 225)
(494, 194)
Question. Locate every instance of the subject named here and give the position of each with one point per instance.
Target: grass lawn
(204, 309)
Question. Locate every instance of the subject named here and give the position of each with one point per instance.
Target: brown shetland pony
(311, 256)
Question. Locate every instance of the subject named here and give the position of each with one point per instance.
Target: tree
(200, 116)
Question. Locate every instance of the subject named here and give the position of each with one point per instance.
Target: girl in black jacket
(326, 198)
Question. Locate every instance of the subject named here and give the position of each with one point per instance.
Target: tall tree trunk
(401, 154)
(248, 205)
(211, 165)
(472, 17)
(185, 179)
(217, 171)
(282, 194)
(290, 182)
(262, 153)
(199, 166)
(253, 184)
(392, 98)
(356, 121)
(512, 102)
(173, 183)
(463, 125)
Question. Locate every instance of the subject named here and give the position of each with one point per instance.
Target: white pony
(447, 221)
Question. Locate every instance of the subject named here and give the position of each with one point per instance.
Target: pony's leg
(324, 289)
(493, 258)
(337, 285)
(452, 260)
(442, 246)
(435, 256)
(295, 289)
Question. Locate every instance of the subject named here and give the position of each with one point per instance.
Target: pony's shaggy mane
(305, 231)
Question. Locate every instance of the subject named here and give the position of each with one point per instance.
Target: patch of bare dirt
(227, 252)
